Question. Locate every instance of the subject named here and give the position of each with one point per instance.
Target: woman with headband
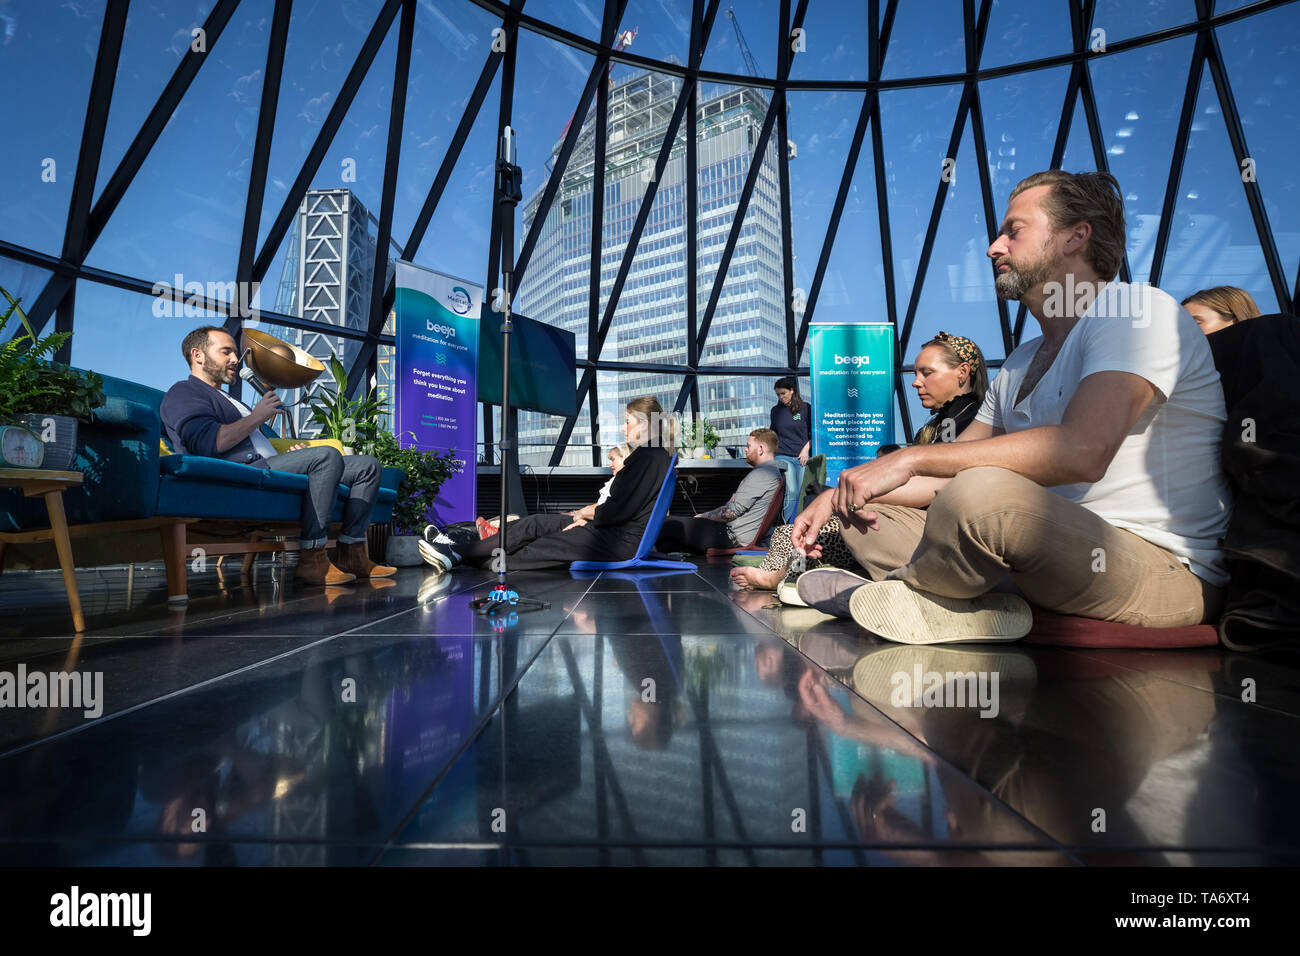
(951, 379)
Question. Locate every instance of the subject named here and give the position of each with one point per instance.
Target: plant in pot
(45, 399)
(700, 438)
(352, 421)
(426, 471)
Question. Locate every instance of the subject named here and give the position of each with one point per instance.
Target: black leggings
(695, 535)
(539, 541)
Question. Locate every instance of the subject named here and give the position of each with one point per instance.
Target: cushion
(201, 468)
(1064, 630)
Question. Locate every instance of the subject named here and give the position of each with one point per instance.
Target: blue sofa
(129, 484)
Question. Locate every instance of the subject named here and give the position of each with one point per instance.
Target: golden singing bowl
(278, 363)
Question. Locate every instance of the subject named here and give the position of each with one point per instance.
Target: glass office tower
(748, 323)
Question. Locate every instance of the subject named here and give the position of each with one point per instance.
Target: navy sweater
(193, 412)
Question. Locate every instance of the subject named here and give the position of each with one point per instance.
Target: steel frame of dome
(87, 221)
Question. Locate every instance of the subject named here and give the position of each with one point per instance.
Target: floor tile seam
(478, 730)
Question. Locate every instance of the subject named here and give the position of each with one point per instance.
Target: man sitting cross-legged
(1090, 480)
(201, 419)
(733, 524)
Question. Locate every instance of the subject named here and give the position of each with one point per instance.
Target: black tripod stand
(509, 191)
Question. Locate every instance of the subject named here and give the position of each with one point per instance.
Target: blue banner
(435, 377)
(852, 371)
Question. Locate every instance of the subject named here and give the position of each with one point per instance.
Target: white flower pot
(700, 452)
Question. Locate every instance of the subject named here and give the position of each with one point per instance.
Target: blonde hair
(665, 430)
(1227, 300)
(621, 450)
(1094, 198)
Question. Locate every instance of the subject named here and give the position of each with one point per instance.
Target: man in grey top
(735, 523)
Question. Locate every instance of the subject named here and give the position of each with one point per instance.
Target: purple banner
(436, 368)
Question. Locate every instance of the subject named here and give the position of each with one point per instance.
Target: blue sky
(184, 211)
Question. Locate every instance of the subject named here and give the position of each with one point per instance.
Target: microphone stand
(509, 192)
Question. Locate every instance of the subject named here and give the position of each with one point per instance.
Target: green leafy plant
(353, 421)
(700, 433)
(425, 473)
(30, 382)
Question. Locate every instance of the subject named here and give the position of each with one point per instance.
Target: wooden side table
(50, 485)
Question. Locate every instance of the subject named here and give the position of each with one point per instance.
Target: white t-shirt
(261, 444)
(1166, 483)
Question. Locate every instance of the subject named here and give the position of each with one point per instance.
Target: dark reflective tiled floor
(651, 719)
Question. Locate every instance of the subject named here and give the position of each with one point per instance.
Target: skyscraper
(649, 325)
(327, 276)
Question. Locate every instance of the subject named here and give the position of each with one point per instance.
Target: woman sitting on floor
(559, 521)
(951, 380)
(612, 533)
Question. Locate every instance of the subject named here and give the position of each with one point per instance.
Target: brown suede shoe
(314, 568)
(353, 557)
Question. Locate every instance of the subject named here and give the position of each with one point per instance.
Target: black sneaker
(438, 554)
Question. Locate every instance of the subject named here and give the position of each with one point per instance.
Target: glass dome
(744, 169)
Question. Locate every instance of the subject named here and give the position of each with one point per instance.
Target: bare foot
(756, 578)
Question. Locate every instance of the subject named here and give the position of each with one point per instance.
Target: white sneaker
(900, 613)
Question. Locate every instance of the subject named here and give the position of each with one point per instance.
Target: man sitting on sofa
(202, 419)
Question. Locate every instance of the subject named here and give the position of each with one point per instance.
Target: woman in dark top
(611, 535)
(951, 379)
(792, 422)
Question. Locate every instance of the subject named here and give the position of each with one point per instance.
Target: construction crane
(750, 65)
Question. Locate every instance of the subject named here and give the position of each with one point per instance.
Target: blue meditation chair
(642, 557)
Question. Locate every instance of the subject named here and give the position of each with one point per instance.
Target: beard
(217, 370)
(1015, 282)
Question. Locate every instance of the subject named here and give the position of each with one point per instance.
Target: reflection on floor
(641, 719)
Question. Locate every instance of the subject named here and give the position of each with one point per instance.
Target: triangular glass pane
(1258, 55)
(958, 295)
(1214, 241)
(448, 50)
(1139, 98)
(927, 39)
(324, 269)
(323, 43)
(1020, 112)
(1079, 155)
(748, 326)
(23, 282)
(456, 242)
(1123, 19)
(852, 288)
(1023, 30)
(549, 80)
(821, 127)
(743, 42)
(916, 126)
(834, 42)
(183, 214)
(582, 17)
(158, 34)
(49, 48)
(661, 29)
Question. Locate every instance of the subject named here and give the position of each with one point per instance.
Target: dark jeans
(695, 535)
(325, 468)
